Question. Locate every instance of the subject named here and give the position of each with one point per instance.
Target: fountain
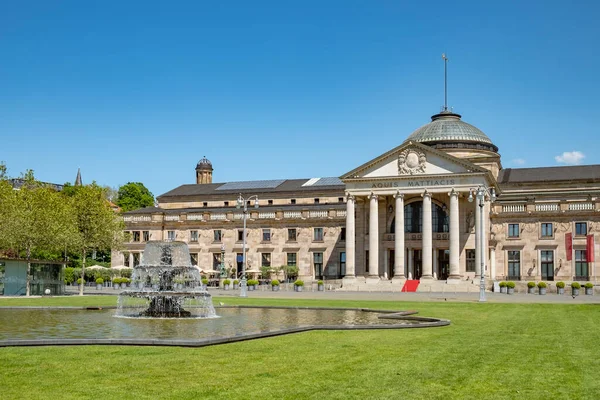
(166, 285)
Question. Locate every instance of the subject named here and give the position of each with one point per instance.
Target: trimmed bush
(252, 282)
(226, 282)
(299, 283)
(575, 285)
(589, 285)
(531, 284)
(204, 281)
(79, 281)
(236, 282)
(99, 281)
(502, 284)
(542, 285)
(510, 285)
(560, 285)
(319, 282)
(274, 282)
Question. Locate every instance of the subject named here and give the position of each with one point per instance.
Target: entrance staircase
(410, 286)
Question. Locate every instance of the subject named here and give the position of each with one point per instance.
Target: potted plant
(204, 283)
(589, 288)
(542, 287)
(510, 287)
(530, 287)
(254, 284)
(502, 287)
(99, 282)
(79, 280)
(236, 284)
(226, 283)
(275, 285)
(320, 285)
(575, 286)
(298, 285)
(560, 287)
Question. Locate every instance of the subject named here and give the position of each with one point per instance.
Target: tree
(34, 218)
(98, 227)
(134, 195)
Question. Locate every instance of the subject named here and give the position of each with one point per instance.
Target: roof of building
(264, 186)
(17, 183)
(262, 208)
(547, 174)
(204, 163)
(448, 127)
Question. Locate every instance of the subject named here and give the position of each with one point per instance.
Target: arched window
(413, 218)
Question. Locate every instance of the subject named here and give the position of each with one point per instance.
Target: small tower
(78, 179)
(204, 171)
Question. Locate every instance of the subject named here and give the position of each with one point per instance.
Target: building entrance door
(391, 263)
(417, 263)
(443, 264)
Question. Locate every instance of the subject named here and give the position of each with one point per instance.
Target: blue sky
(140, 91)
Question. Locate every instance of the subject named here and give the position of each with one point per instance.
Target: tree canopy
(134, 195)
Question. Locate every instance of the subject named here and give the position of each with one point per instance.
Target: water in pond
(101, 324)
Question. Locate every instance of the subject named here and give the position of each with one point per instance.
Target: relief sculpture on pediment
(411, 162)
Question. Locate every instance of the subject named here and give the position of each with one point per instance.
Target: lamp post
(222, 266)
(480, 194)
(242, 202)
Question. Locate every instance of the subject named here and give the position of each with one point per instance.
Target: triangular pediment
(412, 159)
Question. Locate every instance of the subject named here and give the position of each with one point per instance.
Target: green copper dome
(446, 129)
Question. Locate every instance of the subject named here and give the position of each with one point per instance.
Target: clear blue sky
(140, 91)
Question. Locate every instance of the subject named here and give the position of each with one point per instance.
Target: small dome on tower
(204, 163)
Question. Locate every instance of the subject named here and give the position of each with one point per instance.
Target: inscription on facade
(420, 183)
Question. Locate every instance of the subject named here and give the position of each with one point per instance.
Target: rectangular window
(581, 266)
(366, 260)
(292, 235)
(470, 253)
(136, 236)
(580, 228)
(265, 259)
(170, 235)
(316, 201)
(240, 236)
(126, 259)
(205, 204)
(266, 235)
(513, 230)
(146, 236)
(194, 258)
(343, 235)
(318, 235)
(547, 230)
(342, 264)
(270, 202)
(136, 259)
(547, 264)
(193, 236)
(226, 203)
(514, 265)
(291, 258)
(318, 263)
(217, 235)
(293, 201)
(340, 199)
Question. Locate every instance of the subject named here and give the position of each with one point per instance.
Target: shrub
(117, 281)
(589, 285)
(542, 285)
(226, 282)
(99, 281)
(510, 285)
(274, 282)
(560, 285)
(531, 284)
(299, 283)
(69, 276)
(79, 281)
(319, 282)
(236, 282)
(204, 281)
(252, 282)
(502, 284)
(575, 285)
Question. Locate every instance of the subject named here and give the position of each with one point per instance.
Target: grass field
(490, 351)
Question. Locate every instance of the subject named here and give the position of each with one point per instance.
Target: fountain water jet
(166, 285)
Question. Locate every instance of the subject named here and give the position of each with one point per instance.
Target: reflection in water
(100, 324)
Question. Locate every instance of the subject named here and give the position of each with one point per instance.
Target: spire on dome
(78, 179)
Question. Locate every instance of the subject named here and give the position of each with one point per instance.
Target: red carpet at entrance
(410, 286)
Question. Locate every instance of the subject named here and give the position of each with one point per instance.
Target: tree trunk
(28, 278)
(82, 273)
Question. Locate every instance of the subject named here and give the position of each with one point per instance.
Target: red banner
(590, 248)
(569, 245)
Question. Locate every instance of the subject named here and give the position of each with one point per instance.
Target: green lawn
(524, 351)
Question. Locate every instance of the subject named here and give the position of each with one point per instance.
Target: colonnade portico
(404, 264)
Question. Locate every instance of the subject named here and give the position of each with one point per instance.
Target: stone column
(411, 265)
(427, 229)
(350, 238)
(130, 260)
(436, 264)
(454, 236)
(399, 237)
(477, 240)
(373, 236)
(492, 263)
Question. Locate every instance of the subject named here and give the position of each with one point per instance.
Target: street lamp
(222, 266)
(242, 202)
(480, 193)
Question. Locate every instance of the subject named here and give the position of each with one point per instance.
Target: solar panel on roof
(331, 181)
(270, 184)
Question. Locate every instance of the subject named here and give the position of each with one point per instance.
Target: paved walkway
(391, 296)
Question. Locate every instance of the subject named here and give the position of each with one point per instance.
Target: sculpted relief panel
(412, 162)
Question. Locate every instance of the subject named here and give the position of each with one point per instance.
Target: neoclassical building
(409, 214)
